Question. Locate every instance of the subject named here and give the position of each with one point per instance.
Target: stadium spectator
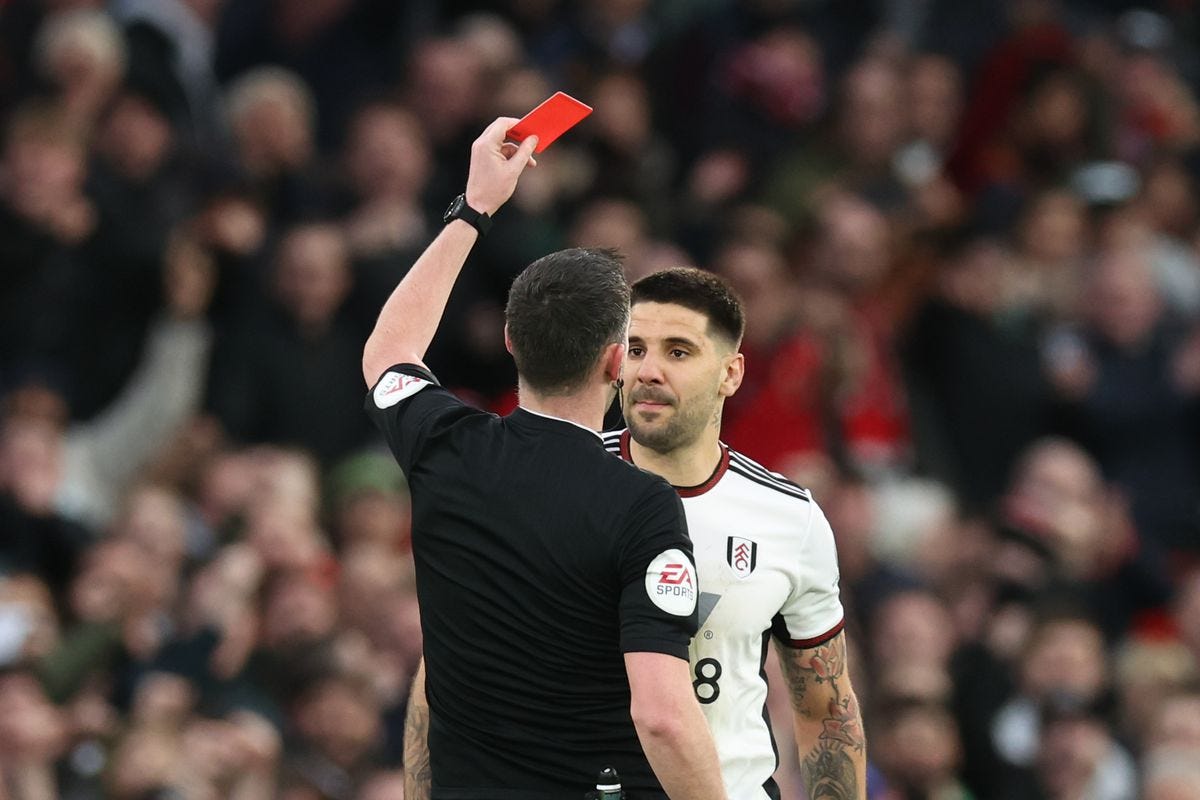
(81, 54)
(273, 119)
(282, 377)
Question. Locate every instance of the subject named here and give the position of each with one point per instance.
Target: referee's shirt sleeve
(658, 576)
(404, 404)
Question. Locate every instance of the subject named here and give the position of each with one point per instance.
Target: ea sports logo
(676, 574)
(395, 386)
(670, 583)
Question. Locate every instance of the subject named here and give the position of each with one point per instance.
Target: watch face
(456, 205)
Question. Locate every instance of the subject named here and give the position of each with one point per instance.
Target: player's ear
(507, 340)
(731, 377)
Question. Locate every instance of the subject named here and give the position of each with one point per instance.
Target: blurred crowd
(967, 235)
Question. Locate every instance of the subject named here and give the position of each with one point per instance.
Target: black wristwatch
(460, 210)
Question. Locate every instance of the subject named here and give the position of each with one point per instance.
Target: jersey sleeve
(405, 404)
(813, 612)
(658, 577)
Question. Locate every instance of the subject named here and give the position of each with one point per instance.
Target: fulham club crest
(742, 555)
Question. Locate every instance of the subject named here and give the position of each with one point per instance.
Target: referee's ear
(614, 362)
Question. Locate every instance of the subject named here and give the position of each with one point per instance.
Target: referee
(556, 583)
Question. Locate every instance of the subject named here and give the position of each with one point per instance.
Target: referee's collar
(560, 419)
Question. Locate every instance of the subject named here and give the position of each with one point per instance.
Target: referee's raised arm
(410, 316)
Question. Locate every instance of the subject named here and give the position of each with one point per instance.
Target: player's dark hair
(699, 290)
(563, 309)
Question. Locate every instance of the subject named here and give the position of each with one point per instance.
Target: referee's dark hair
(702, 292)
(562, 311)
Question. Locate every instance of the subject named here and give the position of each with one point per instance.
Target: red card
(550, 120)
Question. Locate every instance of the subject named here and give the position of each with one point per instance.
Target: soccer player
(764, 550)
(555, 583)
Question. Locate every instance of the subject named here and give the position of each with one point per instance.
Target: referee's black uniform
(538, 558)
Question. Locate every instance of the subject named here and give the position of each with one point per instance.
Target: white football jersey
(767, 566)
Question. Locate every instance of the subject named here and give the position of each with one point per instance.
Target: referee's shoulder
(612, 440)
(614, 444)
(635, 478)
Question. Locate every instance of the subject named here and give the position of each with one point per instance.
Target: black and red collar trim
(686, 491)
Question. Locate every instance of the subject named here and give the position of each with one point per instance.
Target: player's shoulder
(764, 482)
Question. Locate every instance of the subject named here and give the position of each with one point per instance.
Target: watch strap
(459, 209)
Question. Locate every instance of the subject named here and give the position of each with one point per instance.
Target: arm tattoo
(829, 775)
(819, 684)
(418, 776)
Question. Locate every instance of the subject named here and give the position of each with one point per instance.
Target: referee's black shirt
(540, 560)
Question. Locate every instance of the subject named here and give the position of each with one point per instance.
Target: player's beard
(679, 429)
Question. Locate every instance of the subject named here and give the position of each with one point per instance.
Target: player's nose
(648, 371)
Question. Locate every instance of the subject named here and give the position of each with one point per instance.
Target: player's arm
(417, 775)
(671, 726)
(411, 315)
(827, 721)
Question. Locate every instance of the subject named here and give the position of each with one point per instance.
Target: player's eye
(677, 353)
(634, 351)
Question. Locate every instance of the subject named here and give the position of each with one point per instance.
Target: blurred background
(967, 235)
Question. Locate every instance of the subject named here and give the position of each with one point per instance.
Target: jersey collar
(686, 491)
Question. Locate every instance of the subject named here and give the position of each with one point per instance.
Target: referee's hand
(496, 165)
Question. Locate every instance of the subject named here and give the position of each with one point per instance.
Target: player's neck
(689, 465)
(582, 408)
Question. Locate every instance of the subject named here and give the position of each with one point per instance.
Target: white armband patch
(395, 386)
(671, 582)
